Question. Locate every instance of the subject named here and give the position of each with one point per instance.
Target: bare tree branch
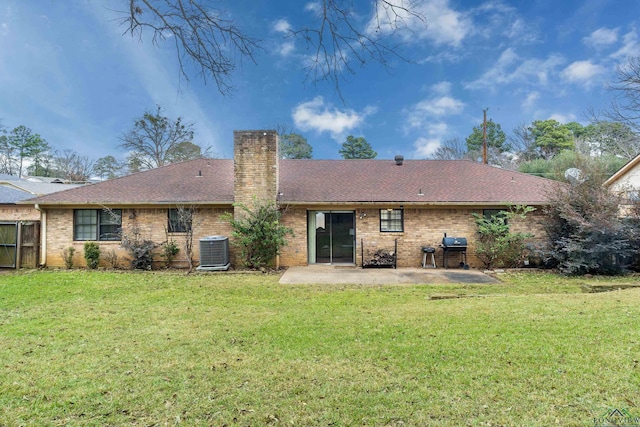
(205, 37)
(338, 44)
(202, 36)
(625, 107)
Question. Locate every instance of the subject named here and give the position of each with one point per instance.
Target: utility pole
(484, 137)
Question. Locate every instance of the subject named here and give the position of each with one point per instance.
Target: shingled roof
(417, 181)
(443, 182)
(193, 182)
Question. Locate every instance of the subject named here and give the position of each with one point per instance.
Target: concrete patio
(331, 274)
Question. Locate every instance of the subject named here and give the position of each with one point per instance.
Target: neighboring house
(626, 180)
(340, 210)
(20, 223)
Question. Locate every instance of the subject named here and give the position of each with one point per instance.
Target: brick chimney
(255, 163)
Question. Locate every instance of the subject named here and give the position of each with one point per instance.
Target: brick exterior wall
(18, 213)
(149, 222)
(256, 179)
(422, 227)
(295, 252)
(255, 167)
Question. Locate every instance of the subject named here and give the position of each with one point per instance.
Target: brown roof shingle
(195, 181)
(320, 181)
(440, 181)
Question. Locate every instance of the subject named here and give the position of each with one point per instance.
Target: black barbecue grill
(456, 246)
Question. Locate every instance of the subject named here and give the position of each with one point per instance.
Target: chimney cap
(399, 159)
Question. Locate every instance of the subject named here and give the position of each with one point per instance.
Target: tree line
(154, 140)
(548, 148)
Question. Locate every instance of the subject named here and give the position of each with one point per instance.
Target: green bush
(497, 246)
(67, 255)
(169, 251)
(92, 254)
(259, 234)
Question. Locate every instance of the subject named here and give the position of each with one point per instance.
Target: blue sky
(68, 73)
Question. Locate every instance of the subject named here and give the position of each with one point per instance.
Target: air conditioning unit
(214, 253)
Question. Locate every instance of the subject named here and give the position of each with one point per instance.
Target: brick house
(339, 210)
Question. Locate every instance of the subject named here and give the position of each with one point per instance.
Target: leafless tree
(523, 143)
(451, 149)
(186, 221)
(207, 36)
(153, 139)
(68, 164)
(625, 107)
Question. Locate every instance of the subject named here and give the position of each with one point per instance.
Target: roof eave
(413, 203)
(127, 203)
(622, 171)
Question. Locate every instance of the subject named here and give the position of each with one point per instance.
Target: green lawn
(120, 348)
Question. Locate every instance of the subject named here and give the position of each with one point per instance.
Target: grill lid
(449, 242)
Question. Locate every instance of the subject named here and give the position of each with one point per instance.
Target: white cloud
(601, 37)
(421, 114)
(317, 116)
(282, 26)
(441, 88)
(510, 68)
(441, 106)
(286, 48)
(630, 47)
(444, 56)
(425, 147)
(496, 20)
(563, 118)
(442, 25)
(425, 117)
(583, 72)
(530, 100)
(518, 29)
(313, 6)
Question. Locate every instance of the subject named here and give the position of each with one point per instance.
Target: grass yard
(121, 348)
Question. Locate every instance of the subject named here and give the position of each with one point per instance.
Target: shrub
(67, 256)
(169, 251)
(141, 251)
(259, 234)
(111, 257)
(586, 232)
(92, 254)
(497, 246)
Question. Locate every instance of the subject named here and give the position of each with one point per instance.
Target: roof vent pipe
(399, 159)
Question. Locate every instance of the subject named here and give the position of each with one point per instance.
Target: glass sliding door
(331, 237)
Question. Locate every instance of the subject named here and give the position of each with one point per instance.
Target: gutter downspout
(43, 235)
